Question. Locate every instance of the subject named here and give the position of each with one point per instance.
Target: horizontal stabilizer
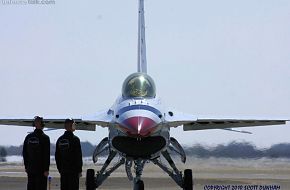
(238, 131)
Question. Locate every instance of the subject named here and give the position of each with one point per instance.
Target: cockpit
(139, 85)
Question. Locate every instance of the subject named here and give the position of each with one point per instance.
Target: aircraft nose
(139, 126)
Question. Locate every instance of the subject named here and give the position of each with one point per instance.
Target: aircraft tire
(139, 185)
(90, 180)
(187, 180)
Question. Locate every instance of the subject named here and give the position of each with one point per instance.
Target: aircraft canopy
(139, 85)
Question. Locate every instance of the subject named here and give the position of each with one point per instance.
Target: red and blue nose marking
(140, 126)
(139, 120)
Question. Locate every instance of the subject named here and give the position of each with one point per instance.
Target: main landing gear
(182, 179)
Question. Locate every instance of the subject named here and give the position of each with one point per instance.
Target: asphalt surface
(209, 174)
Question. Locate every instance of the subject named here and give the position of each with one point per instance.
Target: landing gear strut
(185, 181)
(94, 182)
(139, 166)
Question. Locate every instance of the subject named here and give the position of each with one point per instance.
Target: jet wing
(49, 123)
(87, 123)
(202, 124)
(190, 122)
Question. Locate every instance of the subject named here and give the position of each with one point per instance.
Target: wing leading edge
(50, 123)
(203, 124)
(190, 122)
(88, 123)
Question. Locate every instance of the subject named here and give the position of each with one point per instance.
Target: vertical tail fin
(142, 61)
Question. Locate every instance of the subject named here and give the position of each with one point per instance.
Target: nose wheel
(139, 185)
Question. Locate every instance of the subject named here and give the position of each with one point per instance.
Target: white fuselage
(139, 120)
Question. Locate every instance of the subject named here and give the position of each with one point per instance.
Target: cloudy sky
(211, 58)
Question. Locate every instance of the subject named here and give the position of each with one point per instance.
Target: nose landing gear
(139, 185)
(139, 166)
(182, 179)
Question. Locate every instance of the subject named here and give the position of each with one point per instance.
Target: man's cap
(69, 120)
(38, 118)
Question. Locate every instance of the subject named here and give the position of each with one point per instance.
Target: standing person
(36, 155)
(68, 156)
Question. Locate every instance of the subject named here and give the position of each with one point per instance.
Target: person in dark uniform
(68, 156)
(36, 155)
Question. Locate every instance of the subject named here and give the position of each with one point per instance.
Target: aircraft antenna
(142, 61)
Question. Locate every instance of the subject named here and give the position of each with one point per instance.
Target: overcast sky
(211, 58)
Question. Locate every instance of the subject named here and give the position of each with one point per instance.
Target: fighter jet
(139, 128)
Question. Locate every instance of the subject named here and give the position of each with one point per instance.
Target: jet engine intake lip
(139, 147)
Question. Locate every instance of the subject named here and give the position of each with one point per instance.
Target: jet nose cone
(139, 126)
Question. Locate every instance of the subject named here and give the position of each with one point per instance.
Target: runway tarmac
(209, 174)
